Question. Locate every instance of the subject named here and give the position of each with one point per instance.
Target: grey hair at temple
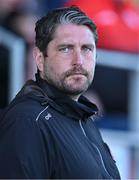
(46, 26)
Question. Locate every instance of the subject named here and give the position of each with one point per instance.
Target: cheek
(91, 69)
(91, 58)
(61, 66)
(91, 63)
(54, 69)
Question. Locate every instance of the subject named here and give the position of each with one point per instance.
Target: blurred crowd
(117, 22)
(19, 17)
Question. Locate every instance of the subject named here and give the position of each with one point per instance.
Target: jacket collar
(82, 109)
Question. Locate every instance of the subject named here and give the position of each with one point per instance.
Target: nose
(78, 58)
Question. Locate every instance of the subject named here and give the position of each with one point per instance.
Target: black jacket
(44, 134)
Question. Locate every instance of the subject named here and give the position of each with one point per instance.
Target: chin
(76, 87)
(77, 91)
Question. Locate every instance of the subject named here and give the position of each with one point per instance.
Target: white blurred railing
(129, 62)
(16, 47)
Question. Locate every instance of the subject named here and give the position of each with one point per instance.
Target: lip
(77, 75)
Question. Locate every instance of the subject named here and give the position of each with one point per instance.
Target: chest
(76, 150)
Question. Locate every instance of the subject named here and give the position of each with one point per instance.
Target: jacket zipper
(95, 146)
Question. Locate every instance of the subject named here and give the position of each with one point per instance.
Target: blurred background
(115, 89)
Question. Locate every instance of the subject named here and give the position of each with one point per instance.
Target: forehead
(73, 32)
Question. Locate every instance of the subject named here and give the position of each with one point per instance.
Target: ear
(39, 58)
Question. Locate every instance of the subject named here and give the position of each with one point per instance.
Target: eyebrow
(71, 45)
(65, 45)
(89, 45)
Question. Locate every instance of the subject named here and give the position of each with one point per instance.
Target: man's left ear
(39, 58)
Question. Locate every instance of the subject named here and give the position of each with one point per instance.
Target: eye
(64, 49)
(87, 48)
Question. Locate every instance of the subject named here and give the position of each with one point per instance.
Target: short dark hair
(46, 26)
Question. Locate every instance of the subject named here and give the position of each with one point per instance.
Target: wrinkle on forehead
(70, 33)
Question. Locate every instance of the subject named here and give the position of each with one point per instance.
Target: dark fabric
(4, 74)
(46, 135)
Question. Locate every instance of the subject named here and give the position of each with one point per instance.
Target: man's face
(71, 59)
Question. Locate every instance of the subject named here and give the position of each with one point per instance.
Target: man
(48, 130)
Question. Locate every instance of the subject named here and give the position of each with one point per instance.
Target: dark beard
(65, 87)
(76, 70)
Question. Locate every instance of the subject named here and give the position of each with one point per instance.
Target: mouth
(77, 76)
(77, 73)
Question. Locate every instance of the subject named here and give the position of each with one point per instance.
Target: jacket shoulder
(21, 141)
(24, 107)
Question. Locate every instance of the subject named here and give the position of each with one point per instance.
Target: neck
(74, 97)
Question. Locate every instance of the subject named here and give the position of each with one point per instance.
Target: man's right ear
(39, 58)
